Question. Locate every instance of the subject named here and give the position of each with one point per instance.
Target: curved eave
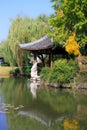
(36, 49)
(41, 44)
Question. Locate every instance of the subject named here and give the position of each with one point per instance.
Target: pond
(25, 105)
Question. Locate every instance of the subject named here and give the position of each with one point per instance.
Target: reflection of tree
(53, 103)
(81, 110)
(59, 101)
(12, 90)
(50, 104)
(1, 81)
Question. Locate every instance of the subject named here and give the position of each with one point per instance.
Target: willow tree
(18, 33)
(43, 25)
(25, 30)
(70, 17)
(6, 52)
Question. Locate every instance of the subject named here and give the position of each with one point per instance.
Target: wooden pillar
(50, 59)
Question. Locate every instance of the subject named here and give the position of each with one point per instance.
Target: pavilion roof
(41, 44)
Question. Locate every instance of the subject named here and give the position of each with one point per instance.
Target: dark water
(27, 106)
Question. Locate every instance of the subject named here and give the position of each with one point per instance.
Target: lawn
(4, 71)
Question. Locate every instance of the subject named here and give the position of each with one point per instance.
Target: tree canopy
(23, 30)
(70, 17)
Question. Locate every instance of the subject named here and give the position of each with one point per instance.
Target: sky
(10, 9)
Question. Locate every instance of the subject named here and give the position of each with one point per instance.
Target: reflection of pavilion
(43, 119)
(38, 115)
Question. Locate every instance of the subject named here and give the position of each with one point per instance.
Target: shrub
(63, 71)
(72, 47)
(45, 73)
(26, 70)
(15, 72)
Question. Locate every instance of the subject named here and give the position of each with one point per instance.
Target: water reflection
(36, 117)
(52, 109)
(33, 86)
(1, 81)
(3, 119)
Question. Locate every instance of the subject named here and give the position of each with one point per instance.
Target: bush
(15, 72)
(45, 73)
(63, 71)
(26, 70)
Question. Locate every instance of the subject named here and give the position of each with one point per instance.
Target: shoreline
(66, 86)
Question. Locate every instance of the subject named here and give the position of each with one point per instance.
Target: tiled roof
(41, 44)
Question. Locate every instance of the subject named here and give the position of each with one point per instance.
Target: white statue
(34, 74)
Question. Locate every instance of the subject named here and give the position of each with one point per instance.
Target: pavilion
(43, 46)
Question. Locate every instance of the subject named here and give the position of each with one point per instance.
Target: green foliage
(45, 73)
(26, 70)
(22, 30)
(63, 71)
(50, 105)
(73, 18)
(6, 52)
(15, 72)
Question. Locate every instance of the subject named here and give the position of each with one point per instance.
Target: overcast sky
(10, 9)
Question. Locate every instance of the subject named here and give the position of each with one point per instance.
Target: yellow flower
(70, 124)
(72, 46)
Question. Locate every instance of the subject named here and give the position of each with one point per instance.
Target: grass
(5, 71)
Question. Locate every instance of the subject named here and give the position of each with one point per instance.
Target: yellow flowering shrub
(70, 124)
(72, 47)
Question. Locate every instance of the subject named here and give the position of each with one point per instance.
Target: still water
(26, 105)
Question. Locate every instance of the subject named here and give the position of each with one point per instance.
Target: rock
(34, 75)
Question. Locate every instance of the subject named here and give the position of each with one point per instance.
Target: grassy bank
(4, 71)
